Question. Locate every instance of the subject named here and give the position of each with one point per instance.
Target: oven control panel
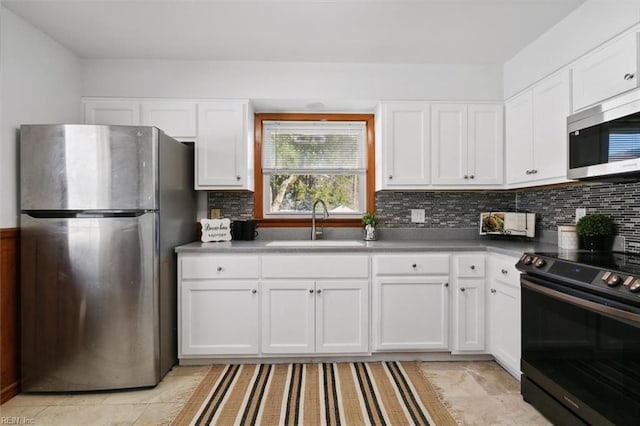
(579, 274)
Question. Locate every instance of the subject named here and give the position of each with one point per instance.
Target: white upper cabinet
(550, 110)
(536, 133)
(519, 135)
(224, 146)
(467, 144)
(405, 146)
(606, 72)
(177, 119)
(111, 112)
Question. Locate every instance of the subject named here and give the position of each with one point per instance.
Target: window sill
(306, 223)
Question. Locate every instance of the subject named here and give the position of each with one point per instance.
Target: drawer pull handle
(462, 289)
(310, 290)
(390, 176)
(319, 291)
(254, 291)
(493, 290)
(238, 177)
(629, 76)
(414, 266)
(446, 284)
(504, 271)
(472, 177)
(473, 267)
(219, 268)
(466, 176)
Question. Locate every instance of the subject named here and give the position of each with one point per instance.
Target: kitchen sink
(316, 243)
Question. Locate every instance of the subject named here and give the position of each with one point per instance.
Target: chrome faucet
(315, 234)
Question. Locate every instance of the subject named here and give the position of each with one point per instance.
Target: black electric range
(580, 323)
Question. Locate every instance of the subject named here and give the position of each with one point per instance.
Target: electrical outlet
(417, 216)
(580, 213)
(215, 214)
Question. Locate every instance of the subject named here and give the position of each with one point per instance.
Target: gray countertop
(510, 248)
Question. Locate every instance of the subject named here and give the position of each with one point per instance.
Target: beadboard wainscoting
(9, 309)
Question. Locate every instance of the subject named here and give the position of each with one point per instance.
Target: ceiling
(366, 31)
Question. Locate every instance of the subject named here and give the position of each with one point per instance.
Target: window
(303, 157)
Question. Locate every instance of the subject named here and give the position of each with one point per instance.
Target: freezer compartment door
(89, 295)
(88, 167)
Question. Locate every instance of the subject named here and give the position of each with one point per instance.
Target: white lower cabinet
(504, 313)
(324, 316)
(219, 317)
(468, 313)
(411, 301)
(218, 305)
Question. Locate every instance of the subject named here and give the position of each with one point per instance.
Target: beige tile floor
(477, 393)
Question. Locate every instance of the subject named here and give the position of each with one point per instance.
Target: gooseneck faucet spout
(315, 233)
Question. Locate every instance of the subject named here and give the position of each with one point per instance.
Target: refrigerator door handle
(74, 214)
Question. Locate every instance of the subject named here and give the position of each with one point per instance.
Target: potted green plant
(370, 221)
(595, 231)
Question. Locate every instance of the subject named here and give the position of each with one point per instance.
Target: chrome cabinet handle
(466, 177)
(254, 291)
(472, 177)
(473, 267)
(319, 291)
(504, 271)
(238, 178)
(493, 290)
(629, 76)
(462, 288)
(390, 176)
(415, 265)
(219, 269)
(446, 284)
(310, 290)
(534, 171)
(528, 172)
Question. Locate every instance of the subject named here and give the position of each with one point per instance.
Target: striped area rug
(376, 393)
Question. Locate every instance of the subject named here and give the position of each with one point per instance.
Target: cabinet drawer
(412, 264)
(503, 268)
(470, 265)
(312, 267)
(208, 267)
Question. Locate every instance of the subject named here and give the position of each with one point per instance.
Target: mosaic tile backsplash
(557, 205)
(460, 209)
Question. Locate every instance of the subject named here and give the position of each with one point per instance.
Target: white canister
(567, 237)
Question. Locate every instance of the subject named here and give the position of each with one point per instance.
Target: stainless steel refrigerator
(102, 208)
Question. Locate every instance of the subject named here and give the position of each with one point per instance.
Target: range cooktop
(610, 274)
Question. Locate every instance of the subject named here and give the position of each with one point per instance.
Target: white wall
(277, 80)
(590, 25)
(39, 83)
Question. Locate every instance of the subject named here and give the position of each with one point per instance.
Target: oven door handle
(577, 301)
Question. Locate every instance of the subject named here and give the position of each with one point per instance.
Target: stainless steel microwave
(604, 141)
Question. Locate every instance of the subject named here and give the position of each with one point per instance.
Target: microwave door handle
(583, 303)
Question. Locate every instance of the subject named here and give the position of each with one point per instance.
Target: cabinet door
(469, 315)
(124, 113)
(606, 72)
(342, 316)
(550, 111)
(288, 316)
(519, 134)
(485, 150)
(221, 154)
(219, 317)
(176, 119)
(449, 144)
(504, 317)
(411, 313)
(406, 144)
